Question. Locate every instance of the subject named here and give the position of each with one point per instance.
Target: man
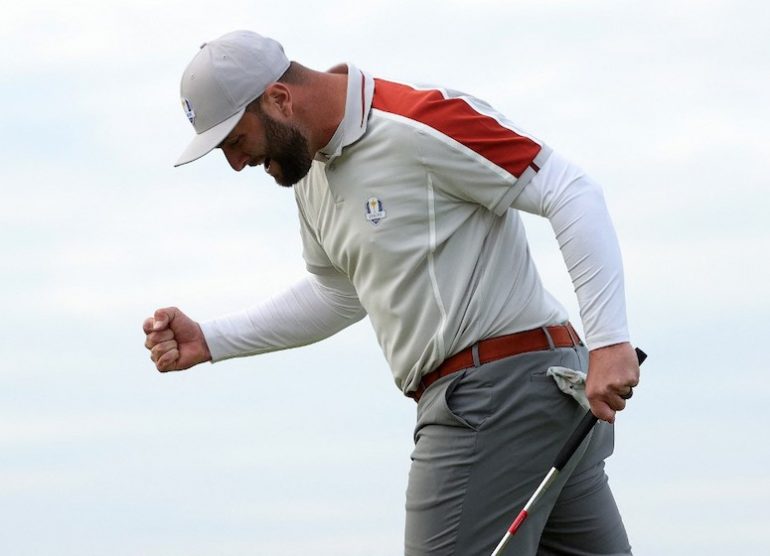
(408, 201)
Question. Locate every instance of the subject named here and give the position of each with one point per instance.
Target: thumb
(603, 411)
(162, 319)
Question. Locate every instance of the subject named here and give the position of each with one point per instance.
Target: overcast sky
(307, 451)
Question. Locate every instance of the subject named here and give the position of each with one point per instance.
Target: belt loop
(475, 354)
(551, 345)
(573, 335)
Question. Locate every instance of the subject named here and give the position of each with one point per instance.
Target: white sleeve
(574, 205)
(310, 310)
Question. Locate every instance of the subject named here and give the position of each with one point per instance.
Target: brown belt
(538, 339)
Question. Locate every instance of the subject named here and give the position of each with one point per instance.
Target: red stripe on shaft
(518, 521)
(457, 119)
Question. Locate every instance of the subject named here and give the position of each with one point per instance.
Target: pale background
(307, 451)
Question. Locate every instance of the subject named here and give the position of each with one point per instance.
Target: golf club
(581, 431)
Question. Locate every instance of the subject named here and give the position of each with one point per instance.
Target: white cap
(224, 76)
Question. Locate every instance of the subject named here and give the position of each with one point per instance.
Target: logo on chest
(374, 210)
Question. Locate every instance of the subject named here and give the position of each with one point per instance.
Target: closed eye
(230, 142)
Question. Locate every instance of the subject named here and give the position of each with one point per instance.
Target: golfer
(409, 199)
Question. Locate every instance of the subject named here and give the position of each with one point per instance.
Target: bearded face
(288, 147)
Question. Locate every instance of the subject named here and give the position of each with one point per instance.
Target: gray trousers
(484, 440)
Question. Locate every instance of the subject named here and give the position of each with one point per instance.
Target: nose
(236, 159)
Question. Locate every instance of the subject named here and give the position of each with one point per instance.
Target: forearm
(310, 310)
(575, 206)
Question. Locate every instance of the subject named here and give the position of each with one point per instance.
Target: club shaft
(501, 545)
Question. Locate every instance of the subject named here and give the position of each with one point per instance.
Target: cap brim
(205, 142)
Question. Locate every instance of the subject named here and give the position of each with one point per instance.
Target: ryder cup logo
(188, 110)
(374, 210)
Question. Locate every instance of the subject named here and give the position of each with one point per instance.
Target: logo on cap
(188, 110)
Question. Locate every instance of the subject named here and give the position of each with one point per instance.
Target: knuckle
(168, 357)
(618, 384)
(157, 338)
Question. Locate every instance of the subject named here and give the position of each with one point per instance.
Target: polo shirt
(410, 201)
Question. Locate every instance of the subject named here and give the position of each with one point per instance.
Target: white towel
(571, 382)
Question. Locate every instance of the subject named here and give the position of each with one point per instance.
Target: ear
(277, 100)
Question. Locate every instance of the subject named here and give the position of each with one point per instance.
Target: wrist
(611, 347)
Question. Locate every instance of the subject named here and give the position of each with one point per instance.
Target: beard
(287, 146)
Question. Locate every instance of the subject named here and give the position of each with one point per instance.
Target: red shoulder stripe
(458, 120)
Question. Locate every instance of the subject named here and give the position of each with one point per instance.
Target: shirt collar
(357, 107)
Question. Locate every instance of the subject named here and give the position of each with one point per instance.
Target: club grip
(583, 428)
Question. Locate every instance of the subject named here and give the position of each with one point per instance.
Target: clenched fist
(175, 341)
(613, 372)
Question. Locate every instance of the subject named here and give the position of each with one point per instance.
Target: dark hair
(292, 76)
